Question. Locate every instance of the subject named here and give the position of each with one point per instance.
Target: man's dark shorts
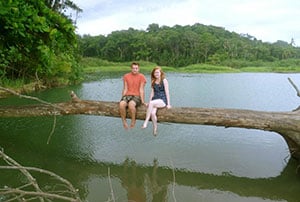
(128, 98)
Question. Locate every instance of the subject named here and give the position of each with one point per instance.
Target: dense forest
(38, 41)
(179, 46)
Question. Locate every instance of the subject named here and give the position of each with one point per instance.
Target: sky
(266, 20)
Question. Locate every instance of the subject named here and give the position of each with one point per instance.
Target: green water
(183, 163)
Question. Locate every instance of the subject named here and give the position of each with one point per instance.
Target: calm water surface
(210, 163)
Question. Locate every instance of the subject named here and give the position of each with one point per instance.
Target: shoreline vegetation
(93, 67)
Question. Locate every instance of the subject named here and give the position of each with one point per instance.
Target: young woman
(159, 97)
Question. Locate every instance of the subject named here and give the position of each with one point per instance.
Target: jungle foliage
(37, 40)
(180, 46)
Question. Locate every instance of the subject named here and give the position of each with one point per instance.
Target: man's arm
(124, 91)
(142, 92)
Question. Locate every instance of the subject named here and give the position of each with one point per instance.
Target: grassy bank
(94, 65)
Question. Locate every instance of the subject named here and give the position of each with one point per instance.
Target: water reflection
(153, 183)
(140, 186)
(205, 158)
(134, 182)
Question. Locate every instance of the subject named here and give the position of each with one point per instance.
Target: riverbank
(92, 67)
(24, 89)
(95, 65)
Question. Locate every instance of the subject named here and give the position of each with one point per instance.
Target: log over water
(287, 124)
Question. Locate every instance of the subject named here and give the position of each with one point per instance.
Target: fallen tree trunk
(286, 124)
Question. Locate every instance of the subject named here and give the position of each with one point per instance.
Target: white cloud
(266, 20)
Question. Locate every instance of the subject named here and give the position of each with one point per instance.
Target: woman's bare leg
(154, 120)
(153, 105)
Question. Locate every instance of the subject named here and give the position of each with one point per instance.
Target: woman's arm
(151, 94)
(166, 84)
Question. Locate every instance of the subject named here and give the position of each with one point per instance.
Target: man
(133, 94)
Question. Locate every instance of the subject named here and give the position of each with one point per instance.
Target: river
(182, 163)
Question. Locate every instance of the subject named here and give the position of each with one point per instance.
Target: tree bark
(287, 124)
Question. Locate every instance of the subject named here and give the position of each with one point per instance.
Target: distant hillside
(179, 46)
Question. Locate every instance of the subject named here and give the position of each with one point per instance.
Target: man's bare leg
(132, 111)
(122, 109)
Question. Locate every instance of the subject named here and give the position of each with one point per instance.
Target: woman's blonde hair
(162, 75)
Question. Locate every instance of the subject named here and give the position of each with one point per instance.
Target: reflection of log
(286, 124)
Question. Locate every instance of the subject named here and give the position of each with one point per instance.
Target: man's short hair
(135, 63)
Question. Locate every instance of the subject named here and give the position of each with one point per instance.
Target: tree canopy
(37, 40)
(184, 45)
